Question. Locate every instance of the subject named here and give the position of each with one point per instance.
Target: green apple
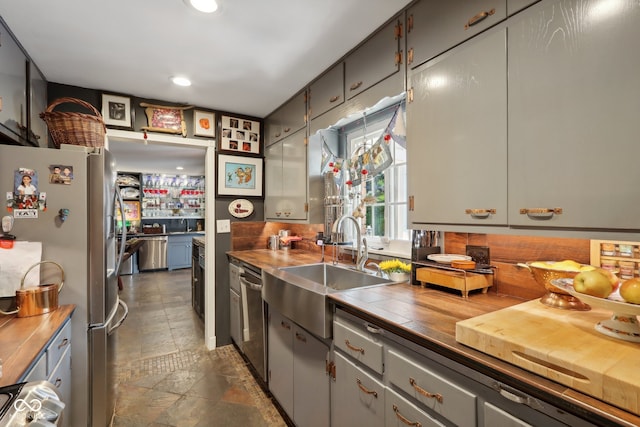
(593, 282)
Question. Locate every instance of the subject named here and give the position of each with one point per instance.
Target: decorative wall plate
(241, 208)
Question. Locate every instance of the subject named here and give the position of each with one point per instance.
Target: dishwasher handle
(250, 285)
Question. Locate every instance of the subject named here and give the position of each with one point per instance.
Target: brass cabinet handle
(278, 214)
(277, 135)
(301, 337)
(410, 56)
(541, 213)
(285, 325)
(479, 18)
(286, 130)
(333, 99)
(352, 347)
(355, 86)
(366, 390)
(480, 213)
(436, 396)
(404, 419)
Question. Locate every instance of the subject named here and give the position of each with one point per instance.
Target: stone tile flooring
(166, 376)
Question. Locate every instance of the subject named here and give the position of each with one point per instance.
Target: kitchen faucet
(362, 248)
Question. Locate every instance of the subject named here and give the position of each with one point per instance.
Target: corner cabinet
(287, 119)
(457, 135)
(573, 115)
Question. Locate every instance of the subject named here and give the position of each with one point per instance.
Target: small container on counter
(627, 269)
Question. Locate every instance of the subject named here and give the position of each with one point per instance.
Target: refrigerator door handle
(121, 321)
(123, 239)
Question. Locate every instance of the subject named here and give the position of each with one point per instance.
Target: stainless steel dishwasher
(254, 319)
(152, 255)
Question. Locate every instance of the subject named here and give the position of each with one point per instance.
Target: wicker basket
(74, 128)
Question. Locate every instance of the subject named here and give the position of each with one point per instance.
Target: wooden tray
(561, 345)
(462, 281)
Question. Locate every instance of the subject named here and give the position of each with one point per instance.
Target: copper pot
(36, 300)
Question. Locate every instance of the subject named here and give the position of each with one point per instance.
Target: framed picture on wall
(239, 135)
(204, 123)
(239, 176)
(117, 112)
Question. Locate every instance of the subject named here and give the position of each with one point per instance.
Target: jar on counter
(627, 269)
(608, 249)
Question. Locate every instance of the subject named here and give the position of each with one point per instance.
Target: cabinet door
(434, 26)
(273, 181)
(574, 97)
(294, 176)
(287, 119)
(327, 92)
(280, 359)
(357, 398)
(13, 86)
(374, 61)
(61, 379)
(494, 416)
(310, 380)
(457, 135)
(39, 134)
(179, 252)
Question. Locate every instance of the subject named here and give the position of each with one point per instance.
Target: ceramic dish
(447, 258)
(623, 323)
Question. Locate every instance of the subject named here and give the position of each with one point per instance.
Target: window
(386, 192)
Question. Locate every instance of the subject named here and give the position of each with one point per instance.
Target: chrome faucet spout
(362, 248)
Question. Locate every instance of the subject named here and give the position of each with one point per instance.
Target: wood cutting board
(560, 345)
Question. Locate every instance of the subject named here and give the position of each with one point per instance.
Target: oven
(253, 319)
(24, 403)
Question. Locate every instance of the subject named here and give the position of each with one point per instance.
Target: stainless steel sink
(300, 292)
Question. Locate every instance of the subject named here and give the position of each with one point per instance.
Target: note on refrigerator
(15, 262)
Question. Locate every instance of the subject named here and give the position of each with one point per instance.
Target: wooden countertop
(428, 316)
(23, 339)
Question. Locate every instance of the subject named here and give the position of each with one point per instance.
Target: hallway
(166, 376)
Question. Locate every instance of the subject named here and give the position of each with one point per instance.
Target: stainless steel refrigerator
(74, 217)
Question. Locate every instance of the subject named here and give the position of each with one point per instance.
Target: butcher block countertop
(23, 339)
(428, 317)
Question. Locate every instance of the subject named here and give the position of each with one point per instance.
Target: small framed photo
(239, 176)
(204, 124)
(116, 111)
(239, 134)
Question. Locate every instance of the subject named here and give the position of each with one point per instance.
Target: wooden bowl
(463, 264)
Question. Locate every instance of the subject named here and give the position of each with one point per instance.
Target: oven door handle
(251, 285)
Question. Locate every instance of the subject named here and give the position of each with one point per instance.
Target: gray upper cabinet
(376, 59)
(38, 104)
(514, 6)
(327, 92)
(288, 119)
(434, 26)
(457, 135)
(574, 99)
(13, 86)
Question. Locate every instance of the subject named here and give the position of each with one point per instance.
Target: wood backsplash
(505, 251)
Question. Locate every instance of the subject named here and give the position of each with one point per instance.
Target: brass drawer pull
(333, 99)
(301, 337)
(480, 213)
(366, 390)
(286, 130)
(352, 347)
(355, 86)
(436, 396)
(404, 419)
(277, 135)
(479, 18)
(541, 213)
(278, 214)
(285, 325)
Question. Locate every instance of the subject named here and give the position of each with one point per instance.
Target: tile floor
(166, 376)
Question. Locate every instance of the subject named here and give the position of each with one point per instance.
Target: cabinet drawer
(431, 389)
(359, 344)
(357, 399)
(60, 343)
(494, 416)
(400, 412)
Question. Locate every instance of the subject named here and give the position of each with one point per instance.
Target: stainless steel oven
(253, 319)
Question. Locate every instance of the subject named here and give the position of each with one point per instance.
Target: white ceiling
(248, 58)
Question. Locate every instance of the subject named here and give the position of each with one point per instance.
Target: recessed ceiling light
(181, 81)
(179, 168)
(204, 6)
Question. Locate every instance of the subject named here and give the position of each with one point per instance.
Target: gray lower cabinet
(179, 251)
(298, 378)
(434, 26)
(54, 365)
(400, 412)
(573, 126)
(457, 135)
